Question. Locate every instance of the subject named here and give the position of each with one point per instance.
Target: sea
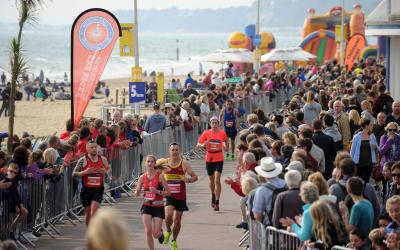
(50, 51)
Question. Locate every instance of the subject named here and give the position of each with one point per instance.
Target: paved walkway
(202, 228)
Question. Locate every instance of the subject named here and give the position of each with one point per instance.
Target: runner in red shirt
(92, 168)
(214, 140)
(155, 187)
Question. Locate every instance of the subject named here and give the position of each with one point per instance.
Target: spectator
(389, 146)
(395, 190)
(328, 146)
(309, 194)
(361, 216)
(288, 203)
(387, 182)
(348, 170)
(332, 131)
(383, 103)
(263, 198)
(377, 238)
(354, 120)
(189, 91)
(69, 128)
(367, 111)
(342, 121)
(393, 208)
(380, 126)
(84, 135)
(364, 150)
(358, 241)
(316, 152)
(156, 121)
(326, 229)
(393, 117)
(189, 80)
(311, 109)
(280, 129)
(107, 231)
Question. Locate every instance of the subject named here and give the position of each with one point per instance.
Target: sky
(64, 11)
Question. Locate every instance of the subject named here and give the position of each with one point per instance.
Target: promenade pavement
(202, 227)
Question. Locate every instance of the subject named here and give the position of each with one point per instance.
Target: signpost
(137, 92)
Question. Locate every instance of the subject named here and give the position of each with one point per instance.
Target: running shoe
(227, 157)
(161, 238)
(233, 157)
(174, 245)
(216, 207)
(166, 237)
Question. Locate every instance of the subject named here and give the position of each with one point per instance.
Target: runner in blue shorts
(229, 115)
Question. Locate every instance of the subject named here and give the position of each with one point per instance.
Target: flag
(93, 36)
(353, 50)
(126, 47)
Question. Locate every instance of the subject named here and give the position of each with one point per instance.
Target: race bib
(229, 124)
(148, 195)
(94, 181)
(174, 188)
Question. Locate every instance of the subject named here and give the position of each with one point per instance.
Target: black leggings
(364, 172)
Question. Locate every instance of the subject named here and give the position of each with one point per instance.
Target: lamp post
(342, 37)
(256, 57)
(177, 49)
(136, 33)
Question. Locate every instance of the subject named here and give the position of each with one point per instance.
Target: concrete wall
(395, 67)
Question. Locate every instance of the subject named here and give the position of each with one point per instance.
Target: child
(387, 182)
(358, 241)
(384, 220)
(16, 205)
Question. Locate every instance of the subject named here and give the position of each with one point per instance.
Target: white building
(384, 20)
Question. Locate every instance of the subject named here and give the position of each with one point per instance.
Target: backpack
(275, 192)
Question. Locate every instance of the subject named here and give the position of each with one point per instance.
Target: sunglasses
(12, 171)
(396, 175)
(392, 130)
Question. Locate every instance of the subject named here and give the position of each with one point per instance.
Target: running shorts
(212, 167)
(91, 194)
(231, 132)
(153, 211)
(179, 205)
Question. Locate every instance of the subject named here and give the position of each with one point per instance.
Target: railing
(52, 199)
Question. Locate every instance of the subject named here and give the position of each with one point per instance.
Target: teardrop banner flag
(93, 36)
(353, 50)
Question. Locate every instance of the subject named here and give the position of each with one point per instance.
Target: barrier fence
(51, 199)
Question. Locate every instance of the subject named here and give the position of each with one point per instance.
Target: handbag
(188, 125)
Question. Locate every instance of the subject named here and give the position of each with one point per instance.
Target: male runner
(229, 115)
(92, 168)
(175, 204)
(214, 140)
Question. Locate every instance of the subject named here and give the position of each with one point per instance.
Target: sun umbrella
(288, 54)
(229, 55)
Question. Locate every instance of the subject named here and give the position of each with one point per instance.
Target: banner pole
(136, 41)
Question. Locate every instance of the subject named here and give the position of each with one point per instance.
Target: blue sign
(137, 92)
(256, 40)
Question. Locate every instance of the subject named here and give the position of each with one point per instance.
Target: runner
(155, 187)
(176, 203)
(92, 168)
(229, 115)
(214, 140)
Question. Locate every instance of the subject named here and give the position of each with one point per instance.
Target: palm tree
(27, 14)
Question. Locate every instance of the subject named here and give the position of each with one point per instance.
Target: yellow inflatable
(238, 40)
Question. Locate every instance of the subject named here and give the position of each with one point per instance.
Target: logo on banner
(96, 33)
(137, 92)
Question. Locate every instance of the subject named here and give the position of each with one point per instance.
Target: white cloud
(64, 11)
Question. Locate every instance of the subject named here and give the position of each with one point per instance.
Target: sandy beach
(44, 118)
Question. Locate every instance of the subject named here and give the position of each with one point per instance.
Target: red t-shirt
(214, 142)
(82, 146)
